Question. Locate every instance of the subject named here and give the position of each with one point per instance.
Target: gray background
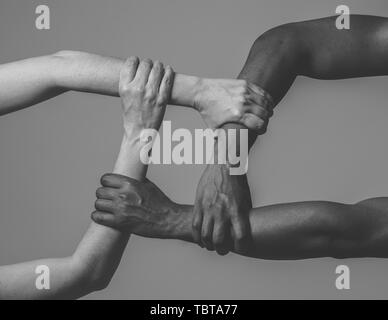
(326, 141)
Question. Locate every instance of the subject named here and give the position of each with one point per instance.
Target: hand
(222, 101)
(221, 211)
(138, 207)
(145, 90)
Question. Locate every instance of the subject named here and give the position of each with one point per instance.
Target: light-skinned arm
(98, 255)
(27, 82)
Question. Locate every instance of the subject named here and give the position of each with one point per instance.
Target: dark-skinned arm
(300, 230)
(315, 49)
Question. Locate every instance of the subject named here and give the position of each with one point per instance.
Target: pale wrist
(186, 90)
(128, 162)
(131, 137)
(131, 145)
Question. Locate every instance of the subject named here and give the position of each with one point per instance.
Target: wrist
(131, 137)
(186, 90)
(201, 87)
(128, 162)
(182, 229)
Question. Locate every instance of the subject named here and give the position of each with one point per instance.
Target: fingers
(143, 72)
(262, 100)
(128, 71)
(241, 234)
(207, 232)
(258, 110)
(104, 205)
(112, 180)
(115, 186)
(260, 107)
(106, 193)
(197, 225)
(166, 86)
(104, 218)
(254, 123)
(155, 77)
(220, 237)
(265, 97)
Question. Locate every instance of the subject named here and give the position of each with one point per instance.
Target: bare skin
(30, 81)
(315, 49)
(144, 87)
(27, 82)
(300, 230)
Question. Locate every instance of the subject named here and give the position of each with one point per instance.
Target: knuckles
(122, 206)
(237, 112)
(243, 86)
(161, 101)
(158, 66)
(136, 90)
(127, 186)
(121, 196)
(130, 89)
(132, 60)
(150, 96)
(125, 200)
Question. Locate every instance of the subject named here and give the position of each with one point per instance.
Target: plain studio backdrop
(326, 141)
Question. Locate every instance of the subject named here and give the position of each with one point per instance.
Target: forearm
(93, 263)
(263, 69)
(80, 71)
(30, 81)
(102, 247)
(89, 269)
(307, 230)
(317, 49)
(66, 278)
(271, 65)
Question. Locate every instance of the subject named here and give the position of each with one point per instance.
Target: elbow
(98, 281)
(64, 62)
(99, 284)
(61, 61)
(63, 54)
(282, 46)
(64, 57)
(91, 277)
(281, 37)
